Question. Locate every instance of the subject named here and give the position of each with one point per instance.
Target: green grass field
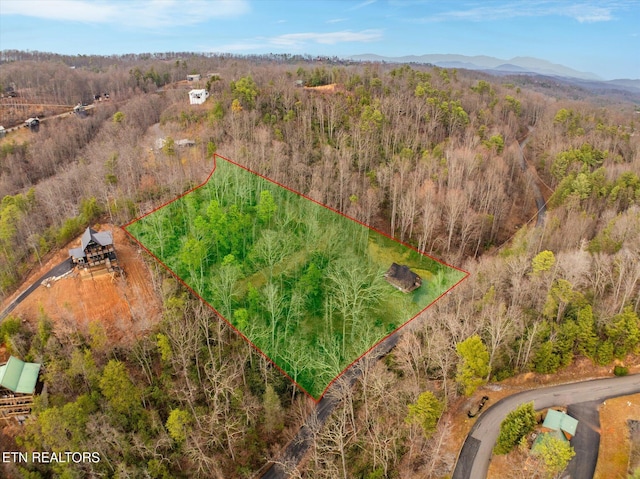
(303, 283)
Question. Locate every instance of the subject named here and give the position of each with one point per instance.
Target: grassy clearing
(303, 283)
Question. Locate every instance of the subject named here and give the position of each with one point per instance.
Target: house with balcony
(96, 250)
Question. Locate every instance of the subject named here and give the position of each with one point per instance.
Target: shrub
(8, 328)
(425, 412)
(71, 228)
(515, 426)
(620, 371)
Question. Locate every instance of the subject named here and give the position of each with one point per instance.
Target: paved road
(57, 270)
(474, 458)
(540, 203)
(586, 441)
(298, 446)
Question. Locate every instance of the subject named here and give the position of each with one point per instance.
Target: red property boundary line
(195, 293)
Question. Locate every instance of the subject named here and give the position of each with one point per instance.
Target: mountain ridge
(486, 63)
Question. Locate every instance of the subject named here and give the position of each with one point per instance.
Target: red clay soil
(126, 306)
(330, 88)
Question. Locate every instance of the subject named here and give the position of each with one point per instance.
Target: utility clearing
(301, 282)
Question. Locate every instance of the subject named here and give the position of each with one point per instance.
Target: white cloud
(72, 10)
(337, 20)
(584, 12)
(590, 14)
(330, 38)
(362, 5)
(138, 13)
(296, 41)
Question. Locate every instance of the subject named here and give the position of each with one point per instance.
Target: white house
(198, 97)
(185, 143)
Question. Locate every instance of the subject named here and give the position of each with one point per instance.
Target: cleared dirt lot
(126, 306)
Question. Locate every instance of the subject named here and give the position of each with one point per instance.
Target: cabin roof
(560, 421)
(19, 376)
(102, 238)
(402, 277)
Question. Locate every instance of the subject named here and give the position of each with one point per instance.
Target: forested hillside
(449, 161)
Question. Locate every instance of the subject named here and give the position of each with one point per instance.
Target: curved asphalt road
(475, 455)
(57, 270)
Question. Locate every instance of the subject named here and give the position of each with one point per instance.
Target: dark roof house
(32, 122)
(95, 249)
(402, 278)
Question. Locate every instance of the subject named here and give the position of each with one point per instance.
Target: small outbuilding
(198, 97)
(194, 77)
(401, 277)
(32, 123)
(185, 143)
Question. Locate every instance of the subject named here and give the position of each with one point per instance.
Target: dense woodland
(429, 155)
(305, 285)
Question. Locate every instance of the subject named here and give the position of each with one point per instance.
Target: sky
(597, 36)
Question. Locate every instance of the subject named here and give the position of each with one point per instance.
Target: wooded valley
(449, 161)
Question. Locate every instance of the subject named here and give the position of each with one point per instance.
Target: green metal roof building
(18, 376)
(556, 424)
(560, 421)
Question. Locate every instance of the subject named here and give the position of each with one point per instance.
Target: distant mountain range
(486, 63)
